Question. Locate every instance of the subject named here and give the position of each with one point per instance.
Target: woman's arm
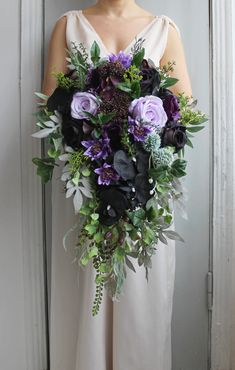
(174, 51)
(56, 60)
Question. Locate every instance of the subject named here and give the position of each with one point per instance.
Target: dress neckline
(138, 35)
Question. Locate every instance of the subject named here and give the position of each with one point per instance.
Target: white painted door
(190, 315)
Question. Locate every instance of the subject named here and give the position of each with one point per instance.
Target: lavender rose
(149, 109)
(83, 102)
(171, 106)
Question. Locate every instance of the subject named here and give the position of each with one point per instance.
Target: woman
(135, 333)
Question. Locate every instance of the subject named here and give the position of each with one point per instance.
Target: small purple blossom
(83, 102)
(106, 174)
(96, 148)
(149, 109)
(139, 130)
(124, 59)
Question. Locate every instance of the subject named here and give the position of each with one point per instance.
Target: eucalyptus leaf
(129, 264)
(162, 238)
(173, 235)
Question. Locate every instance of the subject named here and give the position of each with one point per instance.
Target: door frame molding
(35, 290)
(223, 179)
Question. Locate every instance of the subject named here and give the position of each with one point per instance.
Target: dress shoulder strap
(172, 22)
(67, 14)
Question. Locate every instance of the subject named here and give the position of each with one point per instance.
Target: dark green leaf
(151, 213)
(178, 167)
(137, 217)
(104, 118)
(136, 90)
(44, 168)
(195, 129)
(189, 143)
(138, 57)
(169, 82)
(95, 52)
(129, 264)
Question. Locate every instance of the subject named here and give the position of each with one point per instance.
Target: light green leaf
(95, 216)
(41, 96)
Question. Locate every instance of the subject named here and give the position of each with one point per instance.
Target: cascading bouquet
(121, 134)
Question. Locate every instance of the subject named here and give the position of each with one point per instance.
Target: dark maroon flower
(171, 106)
(115, 101)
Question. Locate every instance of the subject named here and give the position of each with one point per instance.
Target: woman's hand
(57, 54)
(174, 51)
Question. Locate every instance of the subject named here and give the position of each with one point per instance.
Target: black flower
(93, 79)
(174, 134)
(124, 165)
(72, 131)
(142, 158)
(60, 100)
(113, 204)
(163, 92)
(113, 130)
(142, 188)
(150, 79)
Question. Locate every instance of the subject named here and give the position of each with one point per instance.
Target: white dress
(134, 333)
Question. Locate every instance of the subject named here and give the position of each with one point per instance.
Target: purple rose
(124, 59)
(149, 109)
(83, 102)
(171, 106)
